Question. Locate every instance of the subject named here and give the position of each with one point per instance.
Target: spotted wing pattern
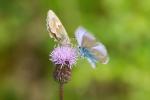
(56, 29)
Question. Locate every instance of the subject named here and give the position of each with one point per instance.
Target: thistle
(63, 57)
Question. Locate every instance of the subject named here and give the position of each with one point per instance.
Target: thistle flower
(64, 57)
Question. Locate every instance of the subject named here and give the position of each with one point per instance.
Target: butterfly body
(88, 55)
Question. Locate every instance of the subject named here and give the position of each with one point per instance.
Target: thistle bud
(62, 74)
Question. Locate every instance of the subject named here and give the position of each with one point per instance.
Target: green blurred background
(122, 25)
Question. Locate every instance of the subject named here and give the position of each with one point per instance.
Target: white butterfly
(56, 29)
(90, 48)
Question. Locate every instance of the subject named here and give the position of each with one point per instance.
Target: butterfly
(56, 29)
(90, 48)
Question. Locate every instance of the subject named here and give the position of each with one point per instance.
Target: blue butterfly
(90, 48)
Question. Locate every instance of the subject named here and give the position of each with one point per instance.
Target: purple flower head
(64, 55)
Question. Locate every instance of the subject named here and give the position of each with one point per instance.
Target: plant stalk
(61, 91)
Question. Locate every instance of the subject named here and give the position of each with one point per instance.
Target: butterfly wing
(100, 52)
(84, 38)
(56, 29)
(93, 63)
